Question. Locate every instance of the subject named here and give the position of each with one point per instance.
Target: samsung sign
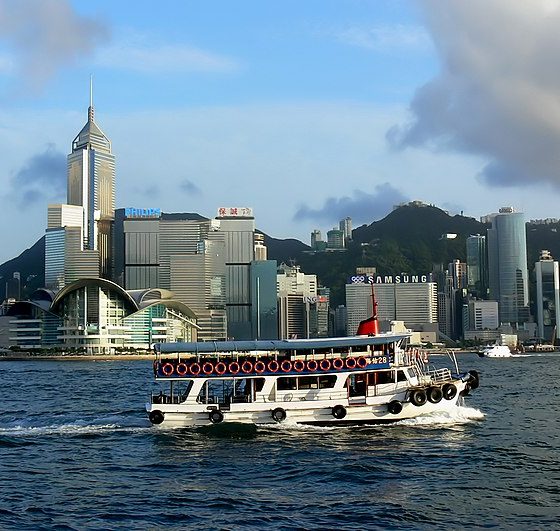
(142, 212)
(390, 279)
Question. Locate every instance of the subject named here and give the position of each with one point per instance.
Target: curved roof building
(96, 315)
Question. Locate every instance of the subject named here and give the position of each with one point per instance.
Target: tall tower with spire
(91, 184)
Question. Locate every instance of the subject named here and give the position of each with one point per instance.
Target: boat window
(385, 377)
(308, 382)
(401, 376)
(259, 384)
(327, 382)
(286, 384)
(356, 384)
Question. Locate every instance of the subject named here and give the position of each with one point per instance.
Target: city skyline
(322, 110)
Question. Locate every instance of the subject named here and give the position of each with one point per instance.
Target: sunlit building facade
(507, 263)
(91, 185)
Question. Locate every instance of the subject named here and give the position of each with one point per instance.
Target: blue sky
(307, 111)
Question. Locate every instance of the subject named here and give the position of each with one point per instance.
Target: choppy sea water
(77, 452)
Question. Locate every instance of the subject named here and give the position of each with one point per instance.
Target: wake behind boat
(333, 381)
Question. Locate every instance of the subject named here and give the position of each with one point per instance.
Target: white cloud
(497, 93)
(385, 38)
(44, 36)
(137, 52)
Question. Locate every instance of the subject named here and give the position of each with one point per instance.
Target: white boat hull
(317, 412)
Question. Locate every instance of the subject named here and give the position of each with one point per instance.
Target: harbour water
(77, 452)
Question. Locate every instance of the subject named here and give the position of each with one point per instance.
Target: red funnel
(370, 326)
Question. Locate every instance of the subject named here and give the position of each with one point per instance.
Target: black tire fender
(418, 397)
(434, 394)
(338, 412)
(216, 416)
(449, 391)
(474, 380)
(278, 414)
(156, 416)
(394, 407)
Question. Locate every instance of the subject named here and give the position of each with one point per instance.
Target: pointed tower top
(90, 109)
(91, 135)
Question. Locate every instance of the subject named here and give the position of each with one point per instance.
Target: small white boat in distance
(495, 351)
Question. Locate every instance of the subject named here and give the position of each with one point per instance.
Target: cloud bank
(45, 35)
(498, 92)
(42, 178)
(362, 207)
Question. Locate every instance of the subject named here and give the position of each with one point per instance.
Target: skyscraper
(507, 261)
(238, 227)
(91, 184)
(477, 265)
(548, 297)
(345, 225)
(295, 291)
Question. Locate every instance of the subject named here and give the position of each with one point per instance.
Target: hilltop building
(345, 225)
(335, 240)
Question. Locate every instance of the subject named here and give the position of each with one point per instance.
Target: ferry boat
(495, 351)
(364, 379)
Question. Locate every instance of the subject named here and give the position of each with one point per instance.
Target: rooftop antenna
(90, 109)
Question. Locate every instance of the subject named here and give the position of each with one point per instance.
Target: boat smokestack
(370, 326)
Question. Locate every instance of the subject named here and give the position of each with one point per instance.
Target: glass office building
(507, 263)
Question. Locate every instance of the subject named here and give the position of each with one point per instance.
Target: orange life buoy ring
(312, 365)
(181, 369)
(247, 367)
(325, 364)
(234, 367)
(286, 366)
(350, 363)
(338, 364)
(299, 365)
(167, 369)
(259, 367)
(273, 366)
(220, 368)
(207, 368)
(362, 362)
(194, 369)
